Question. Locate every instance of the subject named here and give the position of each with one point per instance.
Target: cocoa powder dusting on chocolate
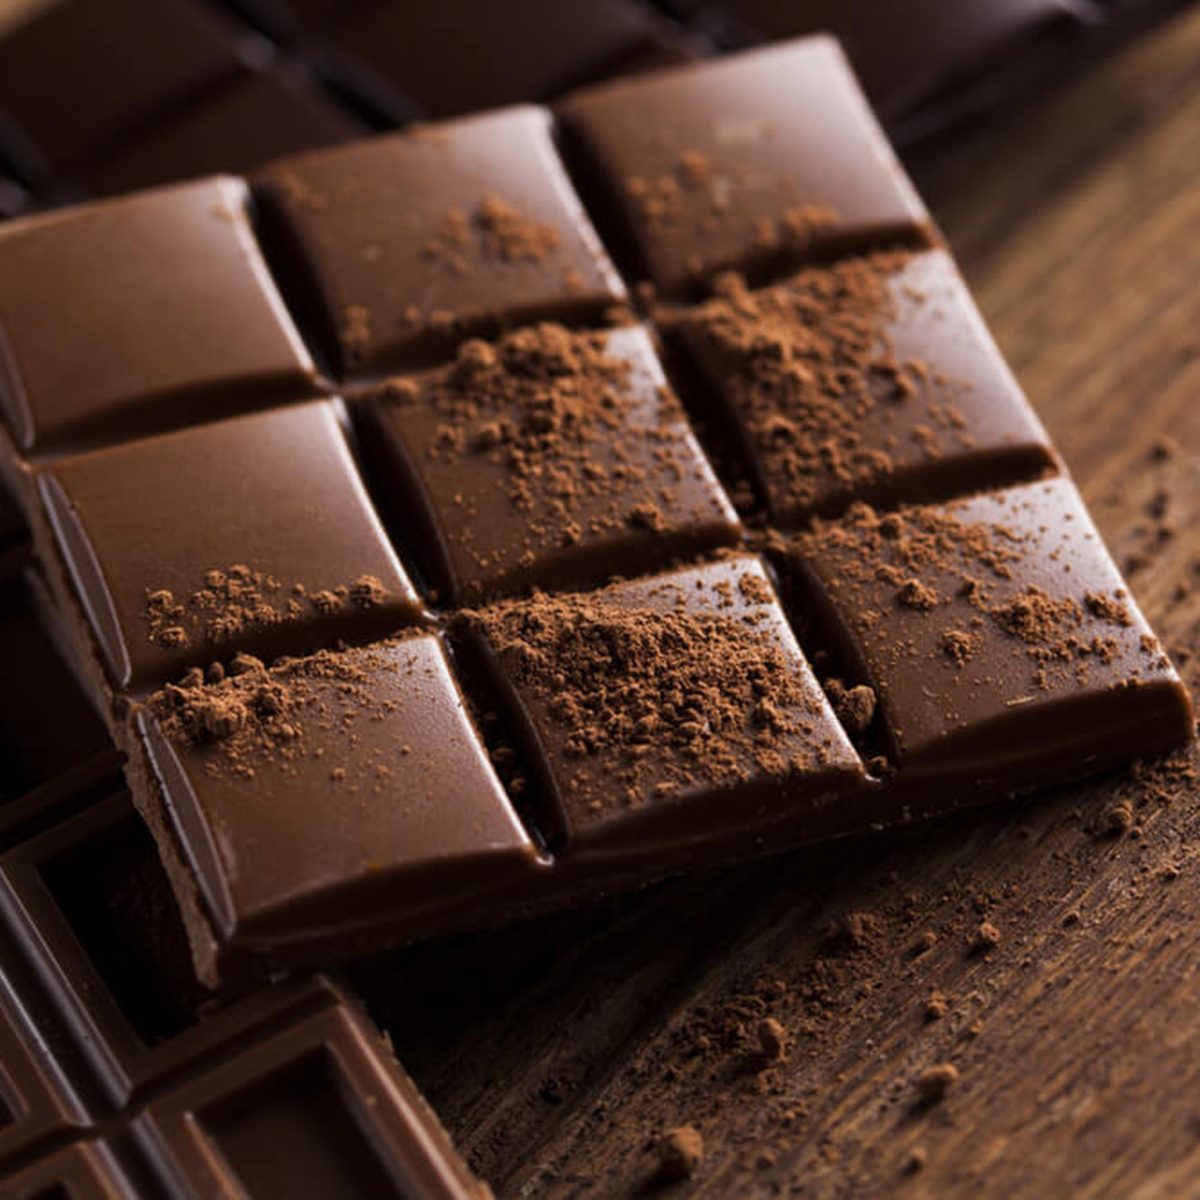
(583, 448)
(247, 715)
(237, 598)
(931, 560)
(806, 362)
(664, 698)
(496, 231)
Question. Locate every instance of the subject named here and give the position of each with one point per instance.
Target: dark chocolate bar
(556, 662)
(118, 65)
(96, 99)
(317, 1109)
(902, 62)
(84, 1171)
(108, 1037)
(54, 749)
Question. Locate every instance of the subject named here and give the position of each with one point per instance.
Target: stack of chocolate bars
(447, 526)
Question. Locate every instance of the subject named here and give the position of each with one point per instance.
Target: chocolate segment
(87, 1171)
(54, 749)
(902, 62)
(245, 123)
(106, 958)
(253, 534)
(460, 55)
(751, 162)
(38, 1103)
(320, 1109)
(550, 459)
(666, 711)
(168, 309)
(77, 75)
(1000, 641)
(397, 248)
(322, 794)
(873, 378)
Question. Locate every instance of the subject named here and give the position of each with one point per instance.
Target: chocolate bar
(426, 584)
(902, 64)
(54, 749)
(107, 1032)
(84, 1171)
(458, 57)
(145, 93)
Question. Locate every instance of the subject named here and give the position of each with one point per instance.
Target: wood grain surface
(558, 1052)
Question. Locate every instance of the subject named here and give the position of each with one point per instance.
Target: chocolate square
(746, 163)
(252, 534)
(316, 795)
(663, 712)
(460, 55)
(167, 309)
(997, 635)
(873, 378)
(251, 119)
(319, 1109)
(397, 248)
(104, 956)
(76, 76)
(552, 459)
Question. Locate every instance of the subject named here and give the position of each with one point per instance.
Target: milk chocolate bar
(443, 556)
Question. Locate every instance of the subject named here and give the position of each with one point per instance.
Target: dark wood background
(557, 1052)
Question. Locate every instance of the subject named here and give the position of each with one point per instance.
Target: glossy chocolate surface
(994, 631)
(320, 1109)
(313, 799)
(85, 1171)
(366, 788)
(247, 121)
(756, 160)
(39, 1103)
(550, 461)
(117, 64)
(616, 779)
(253, 534)
(900, 61)
(397, 248)
(873, 378)
(167, 305)
(460, 55)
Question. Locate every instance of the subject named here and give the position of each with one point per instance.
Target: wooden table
(557, 1052)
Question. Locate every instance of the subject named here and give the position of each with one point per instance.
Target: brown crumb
(936, 1006)
(680, 1152)
(772, 1040)
(934, 1082)
(854, 707)
(987, 937)
(1117, 819)
(917, 1158)
(925, 942)
(914, 594)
